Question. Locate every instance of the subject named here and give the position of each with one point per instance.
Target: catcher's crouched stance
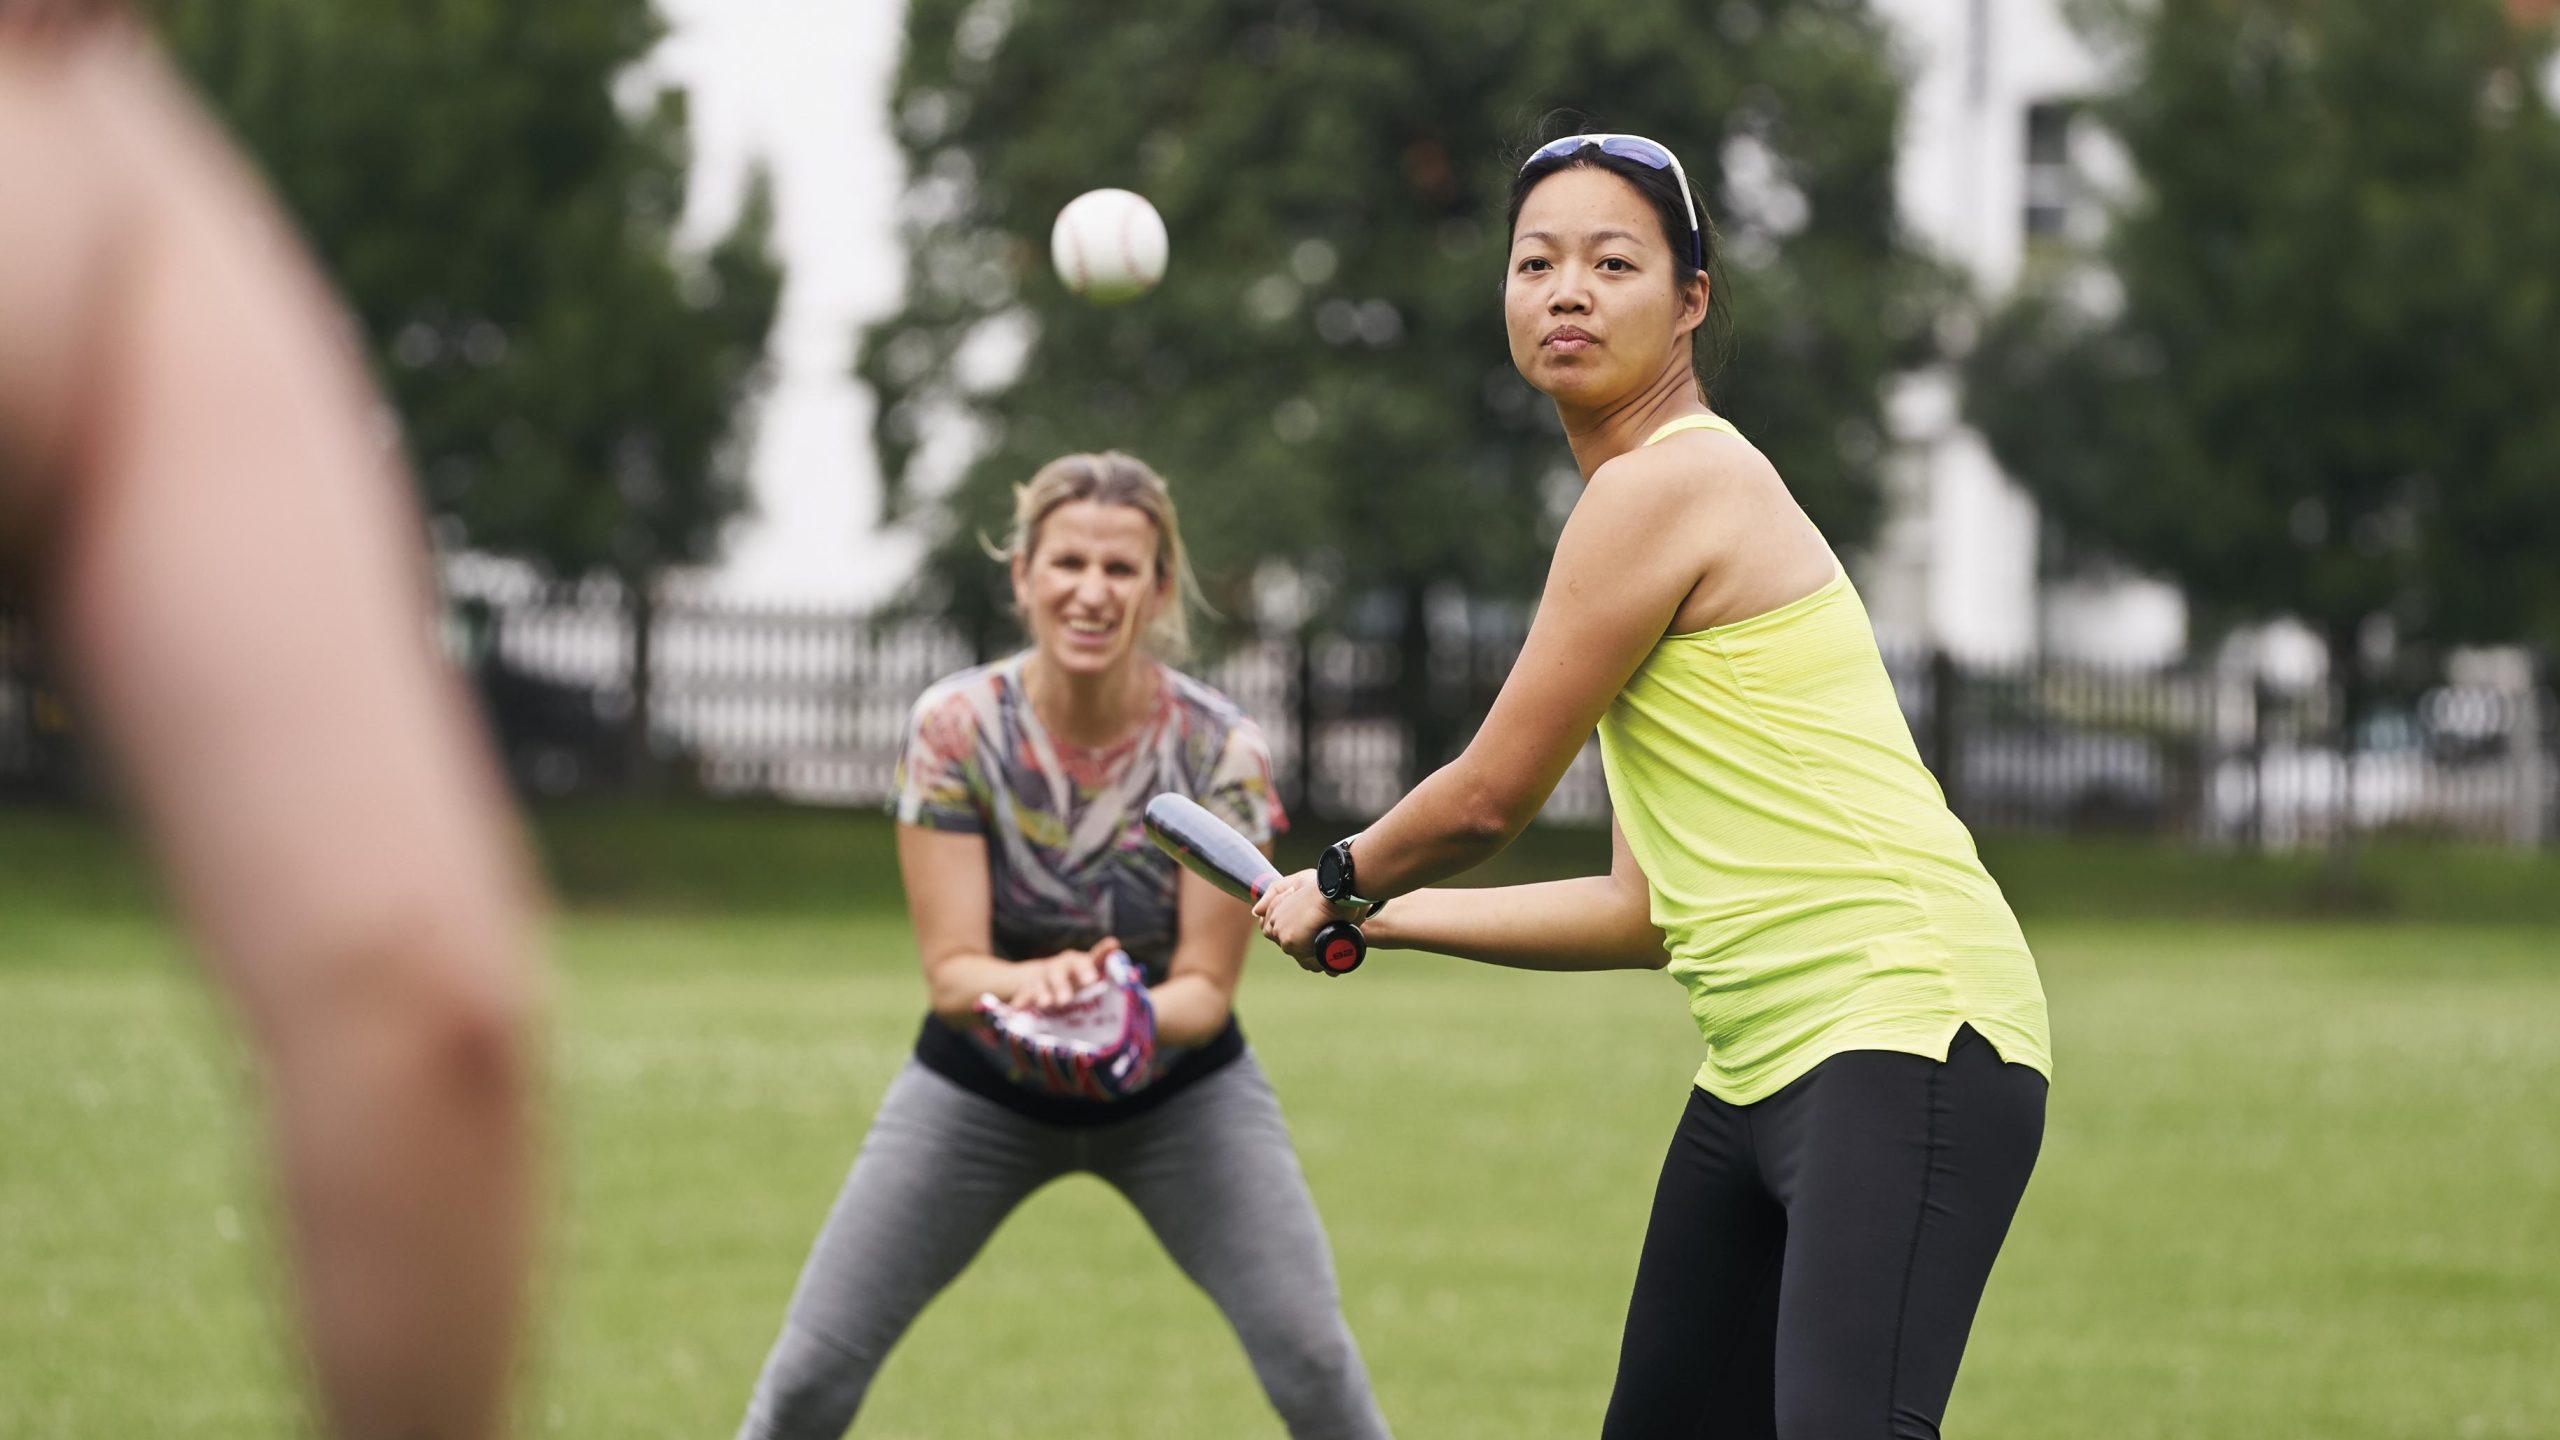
(1080, 985)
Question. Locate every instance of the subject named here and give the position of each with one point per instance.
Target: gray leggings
(1211, 1171)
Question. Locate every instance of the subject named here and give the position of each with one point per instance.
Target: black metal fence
(36, 750)
(811, 706)
(2218, 755)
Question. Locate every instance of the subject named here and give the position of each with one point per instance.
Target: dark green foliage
(570, 385)
(2328, 390)
(1323, 375)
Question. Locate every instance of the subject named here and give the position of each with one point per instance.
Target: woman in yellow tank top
(1872, 1097)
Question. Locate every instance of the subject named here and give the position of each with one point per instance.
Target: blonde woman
(1019, 800)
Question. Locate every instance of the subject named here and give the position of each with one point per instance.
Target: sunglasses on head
(1651, 154)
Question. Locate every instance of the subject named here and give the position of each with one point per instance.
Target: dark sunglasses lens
(1643, 152)
(1625, 147)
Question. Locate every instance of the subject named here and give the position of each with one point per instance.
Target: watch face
(1329, 876)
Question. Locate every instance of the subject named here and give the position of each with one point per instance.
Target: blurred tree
(2311, 373)
(499, 207)
(1323, 374)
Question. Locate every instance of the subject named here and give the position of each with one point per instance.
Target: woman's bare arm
(1591, 922)
(200, 493)
(1617, 578)
(1199, 988)
(950, 904)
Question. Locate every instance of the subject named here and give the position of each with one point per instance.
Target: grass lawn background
(2302, 1177)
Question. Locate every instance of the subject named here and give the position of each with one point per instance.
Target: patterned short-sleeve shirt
(1067, 856)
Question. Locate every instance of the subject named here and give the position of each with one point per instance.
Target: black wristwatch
(1335, 882)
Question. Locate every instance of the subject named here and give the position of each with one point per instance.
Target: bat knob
(1340, 947)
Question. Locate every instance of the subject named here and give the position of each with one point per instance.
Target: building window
(2053, 185)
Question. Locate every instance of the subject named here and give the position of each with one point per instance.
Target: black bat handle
(1340, 947)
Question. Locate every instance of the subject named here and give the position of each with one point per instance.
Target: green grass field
(2303, 1176)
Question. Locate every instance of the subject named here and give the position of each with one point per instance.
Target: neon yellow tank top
(1816, 893)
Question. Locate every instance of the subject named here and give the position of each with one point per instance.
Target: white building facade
(1990, 166)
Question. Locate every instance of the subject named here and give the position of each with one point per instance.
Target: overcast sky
(803, 84)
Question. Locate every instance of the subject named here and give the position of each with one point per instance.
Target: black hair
(1711, 344)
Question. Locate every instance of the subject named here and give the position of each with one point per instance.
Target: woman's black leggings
(1814, 1259)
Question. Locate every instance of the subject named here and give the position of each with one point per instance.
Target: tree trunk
(1418, 708)
(2527, 755)
(2262, 714)
(1304, 788)
(640, 594)
(2349, 692)
(1946, 728)
(986, 635)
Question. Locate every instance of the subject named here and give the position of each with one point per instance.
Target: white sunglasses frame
(1564, 146)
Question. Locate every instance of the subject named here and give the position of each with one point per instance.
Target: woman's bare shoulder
(1691, 477)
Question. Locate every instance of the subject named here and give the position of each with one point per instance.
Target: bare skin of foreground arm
(1593, 922)
(195, 489)
(949, 904)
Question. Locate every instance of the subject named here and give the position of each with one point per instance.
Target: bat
(1211, 849)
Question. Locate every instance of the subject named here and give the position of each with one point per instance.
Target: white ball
(1109, 245)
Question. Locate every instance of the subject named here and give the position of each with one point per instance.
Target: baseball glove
(1101, 1045)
